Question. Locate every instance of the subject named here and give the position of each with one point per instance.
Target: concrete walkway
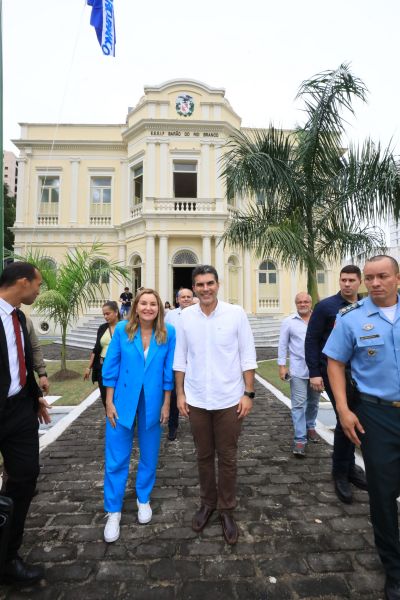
(297, 541)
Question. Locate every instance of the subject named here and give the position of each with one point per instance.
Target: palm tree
(68, 289)
(315, 201)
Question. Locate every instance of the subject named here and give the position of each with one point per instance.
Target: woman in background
(103, 339)
(139, 378)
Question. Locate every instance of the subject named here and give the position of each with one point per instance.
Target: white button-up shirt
(213, 351)
(291, 343)
(173, 316)
(5, 313)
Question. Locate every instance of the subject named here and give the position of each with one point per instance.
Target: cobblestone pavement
(297, 541)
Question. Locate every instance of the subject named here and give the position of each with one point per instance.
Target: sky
(258, 50)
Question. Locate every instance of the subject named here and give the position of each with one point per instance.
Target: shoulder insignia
(346, 309)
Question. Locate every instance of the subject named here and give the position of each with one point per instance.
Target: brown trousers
(216, 434)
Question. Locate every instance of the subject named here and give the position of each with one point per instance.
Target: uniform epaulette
(347, 309)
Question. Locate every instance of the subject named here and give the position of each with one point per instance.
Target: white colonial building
(149, 189)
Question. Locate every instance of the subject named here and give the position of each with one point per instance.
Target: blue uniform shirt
(364, 336)
(319, 329)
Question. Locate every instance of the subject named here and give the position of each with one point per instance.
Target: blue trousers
(118, 449)
(305, 402)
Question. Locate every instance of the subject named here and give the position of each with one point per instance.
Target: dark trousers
(19, 445)
(103, 390)
(380, 446)
(216, 434)
(173, 420)
(343, 449)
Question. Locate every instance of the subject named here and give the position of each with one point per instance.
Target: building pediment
(183, 100)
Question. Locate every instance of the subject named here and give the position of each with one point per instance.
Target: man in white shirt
(185, 299)
(214, 366)
(304, 399)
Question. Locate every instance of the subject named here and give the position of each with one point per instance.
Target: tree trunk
(312, 286)
(63, 365)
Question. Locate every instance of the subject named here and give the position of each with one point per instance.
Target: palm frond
(326, 96)
(259, 162)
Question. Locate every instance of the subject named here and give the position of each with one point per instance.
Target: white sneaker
(145, 513)
(111, 530)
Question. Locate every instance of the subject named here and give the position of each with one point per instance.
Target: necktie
(20, 350)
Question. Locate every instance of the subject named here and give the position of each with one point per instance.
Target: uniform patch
(346, 309)
(368, 326)
(369, 337)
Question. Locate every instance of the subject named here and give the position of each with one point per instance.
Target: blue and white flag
(102, 19)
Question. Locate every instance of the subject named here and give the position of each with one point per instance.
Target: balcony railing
(266, 303)
(100, 214)
(184, 205)
(48, 213)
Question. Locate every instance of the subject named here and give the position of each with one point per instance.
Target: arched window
(136, 272)
(267, 272)
(268, 288)
(185, 257)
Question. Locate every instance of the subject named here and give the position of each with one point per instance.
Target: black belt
(376, 400)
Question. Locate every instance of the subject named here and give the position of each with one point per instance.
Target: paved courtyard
(297, 541)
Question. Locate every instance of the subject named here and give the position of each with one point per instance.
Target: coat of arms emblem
(184, 105)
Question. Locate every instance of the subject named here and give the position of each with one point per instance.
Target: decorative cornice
(69, 145)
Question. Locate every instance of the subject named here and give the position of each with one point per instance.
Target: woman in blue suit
(137, 372)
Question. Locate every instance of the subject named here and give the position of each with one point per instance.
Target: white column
(73, 205)
(150, 262)
(163, 268)
(247, 295)
(220, 266)
(164, 169)
(124, 202)
(205, 172)
(150, 171)
(19, 217)
(206, 256)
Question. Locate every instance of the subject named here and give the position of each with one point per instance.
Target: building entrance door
(182, 278)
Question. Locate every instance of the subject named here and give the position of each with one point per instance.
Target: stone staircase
(84, 336)
(265, 330)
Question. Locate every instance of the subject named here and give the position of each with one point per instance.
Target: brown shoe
(312, 436)
(201, 517)
(229, 528)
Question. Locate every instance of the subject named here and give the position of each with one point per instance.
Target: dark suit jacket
(5, 377)
(97, 351)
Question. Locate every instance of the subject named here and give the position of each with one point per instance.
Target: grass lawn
(268, 369)
(46, 342)
(73, 391)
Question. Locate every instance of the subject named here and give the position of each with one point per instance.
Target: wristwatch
(250, 395)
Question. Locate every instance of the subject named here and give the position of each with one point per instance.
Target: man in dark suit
(21, 404)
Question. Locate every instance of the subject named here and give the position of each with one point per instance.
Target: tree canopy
(311, 201)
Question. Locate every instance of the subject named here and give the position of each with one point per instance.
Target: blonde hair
(159, 328)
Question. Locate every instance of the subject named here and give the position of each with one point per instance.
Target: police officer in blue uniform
(344, 470)
(368, 334)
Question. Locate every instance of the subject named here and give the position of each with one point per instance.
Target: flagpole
(1, 143)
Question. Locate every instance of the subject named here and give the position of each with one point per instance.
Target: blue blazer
(126, 371)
